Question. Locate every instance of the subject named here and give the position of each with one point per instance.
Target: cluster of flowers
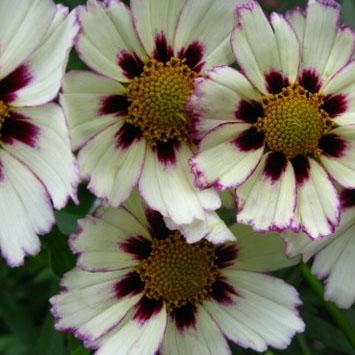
(161, 125)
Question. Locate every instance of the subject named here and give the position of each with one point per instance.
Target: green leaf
(348, 12)
(76, 347)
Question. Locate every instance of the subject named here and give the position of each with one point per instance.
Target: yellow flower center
(294, 121)
(158, 98)
(4, 113)
(178, 272)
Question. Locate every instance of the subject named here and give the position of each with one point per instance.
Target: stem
(334, 312)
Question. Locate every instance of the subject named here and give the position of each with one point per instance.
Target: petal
(212, 228)
(101, 242)
(340, 160)
(241, 148)
(100, 47)
(297, 19)
(51, 159)
(112, 166)
(153, 18)
(89, 306)
(20, 223)
(263, 312)
(22, 26)
(318, 213)
(168, 188)
(218, 98)
(320, 33)
(260, 252)
(200, 19)
(47, 64)
(132, 337)
(267, 199)
(82, 99)
(203, 338)
(254, 44)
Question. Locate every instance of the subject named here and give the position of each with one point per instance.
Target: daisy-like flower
(334, 255)
(140, 288)
(37, 167)
(129, 120)
(284, 125)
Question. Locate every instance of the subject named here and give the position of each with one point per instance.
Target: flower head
(284, 126)
(141, 287)
(37, 168)
(130, 123)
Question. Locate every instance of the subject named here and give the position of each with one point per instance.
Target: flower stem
(334, 312)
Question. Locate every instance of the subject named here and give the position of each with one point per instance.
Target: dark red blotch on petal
(301, 167)
(347, 198)
(138, 246)
(275, 82)
(251, 139)
(332, 145)
(163, 51)
(166, 152)
(146, 309)
(127, 135)
(225, 255)
(335, 104)
(310, 80)
(184, 316)
(131, 64)
(193, 54)
(158, 229)
(114, 104)
(249, 111)
(131, 284)
(13, 82)
(275, 165)
(17, 127)
(222, 292)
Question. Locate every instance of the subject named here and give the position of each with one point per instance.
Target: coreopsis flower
(37, 167)
(284, 124)
(140, 288)
(129, 120)
(333, 255)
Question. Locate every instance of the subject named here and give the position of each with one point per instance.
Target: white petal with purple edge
(208, 23)
(51, 159)
(112, 170)
(212, 228)
(265, 201)
(47, 64)
(235, 167)
(297, 20)
(318, 211)
(82, 99)
(100, 46)
(320, 33)
(342, 168)
(155, 17)
(260, 252)
(20, 223)
(201, 339)
(263, 312)
(23, 26)
(256, 57)
(169, 188)
(134, 337)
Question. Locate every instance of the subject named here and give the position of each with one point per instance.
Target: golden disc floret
(4, 113)
(178, 272)
(158, 100)
(294, 121)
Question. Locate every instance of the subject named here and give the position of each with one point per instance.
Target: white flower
(129, 120)
(334, 260)
(285, 126)
(37, 168)
(140, 288)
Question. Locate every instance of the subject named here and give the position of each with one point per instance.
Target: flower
(37, 168)
(334, 255)
(140, 288)
(129, 121)
(285, 124)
